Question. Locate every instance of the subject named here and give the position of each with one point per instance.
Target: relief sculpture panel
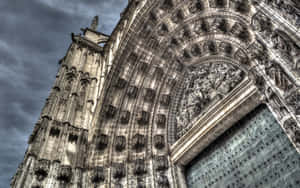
(203, 87)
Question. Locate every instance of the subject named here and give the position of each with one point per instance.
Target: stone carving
(143, 117)
(210, 47)
(217, 3)
(219, 24)
(204, 86)
(240, 31)
(156, 62)
(202, 26)
(241, 56)
(119, 171)
(144, 67)
(94, 24)
(132, 91)
(262, 24)
(124, 117)
(149, 94)
(162, 181)
(161, 120)
(294, 101)
(275, 72)
(281, 42)
(98, 174)
(165, 99)
(41, 169)
(120, 143)
(139, 167)
(102, 141)
(289, 9)
(121, 83)
(110, 111)
(138, 142)
(226, 48)
(242, 6)
(161, 163)
(196, 50)
(64, 174)
(179, 16)
(195, 7)
(159, 141)
(163, 30)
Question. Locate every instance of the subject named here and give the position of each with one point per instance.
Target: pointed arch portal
(184, 93)
(192, 69)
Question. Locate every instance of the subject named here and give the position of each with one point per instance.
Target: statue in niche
(205, 86)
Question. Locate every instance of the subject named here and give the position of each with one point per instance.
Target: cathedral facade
(182, 94)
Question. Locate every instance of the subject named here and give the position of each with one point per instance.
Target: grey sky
(34, 35)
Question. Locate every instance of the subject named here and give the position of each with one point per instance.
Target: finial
(94, 24)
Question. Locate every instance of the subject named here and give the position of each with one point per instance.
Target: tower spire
(95, 23)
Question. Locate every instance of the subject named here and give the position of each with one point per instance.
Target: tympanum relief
(204, 86)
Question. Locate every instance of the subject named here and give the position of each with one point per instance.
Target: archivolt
(170, 39)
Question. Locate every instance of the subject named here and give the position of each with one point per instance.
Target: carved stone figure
(139, 167)
(159, 141)
(64, 174)
(120, 143)
(138, 142)
(102, 141)
(119, 171)
(98, 175)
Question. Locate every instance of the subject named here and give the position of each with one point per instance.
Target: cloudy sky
(34, 35)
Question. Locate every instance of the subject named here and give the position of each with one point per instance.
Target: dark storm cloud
(34, 35)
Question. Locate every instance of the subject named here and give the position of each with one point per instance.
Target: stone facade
(169, 80)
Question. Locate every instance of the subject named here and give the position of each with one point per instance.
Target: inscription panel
(254, 153)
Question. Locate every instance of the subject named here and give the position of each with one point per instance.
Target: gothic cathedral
(182, 94)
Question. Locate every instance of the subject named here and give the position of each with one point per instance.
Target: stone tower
(183, 93)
